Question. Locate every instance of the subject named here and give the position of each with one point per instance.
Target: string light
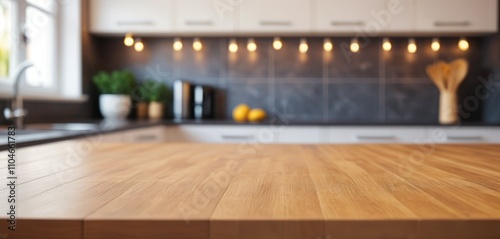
(412, 46)
(463, 44)
(177, 44)
(327, 45)
(303, 47)
(138, 46)
(277, 44)
(128, 40)
(251, 46)
(386, 45)
(233, 46)
(435, 46)
(354, 45)
(197, 46)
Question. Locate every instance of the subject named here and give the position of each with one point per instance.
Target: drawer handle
(145, 137)
(452, 24)
(463, 138)
(375, 137)
(275, 23)
(237, 137)
(135, 23)
(344, 24)
(198, 23)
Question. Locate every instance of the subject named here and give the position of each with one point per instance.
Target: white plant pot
(115, 107)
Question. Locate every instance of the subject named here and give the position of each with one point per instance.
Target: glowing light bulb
(327, 45)
(463, 44)
(303, 47)
(435, 46)
(233, 47)
(412, 46)
(128, 40)
(277, 44)
(251, 46)
(177, 44)
(197, 46)
(138, 46)
(354, 45)
(386, 45)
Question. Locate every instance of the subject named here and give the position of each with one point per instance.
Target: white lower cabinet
(245, 134)
(267, 134)
(393, 134)
(144, 135)
(300, 134)
(217, 134)
(469, 135)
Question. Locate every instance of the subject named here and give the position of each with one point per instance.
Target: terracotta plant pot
(155, 110)
(142, 110)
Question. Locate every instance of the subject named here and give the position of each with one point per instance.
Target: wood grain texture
(161, 190)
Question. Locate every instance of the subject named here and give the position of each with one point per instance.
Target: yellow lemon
(256, 115)
(240, 113)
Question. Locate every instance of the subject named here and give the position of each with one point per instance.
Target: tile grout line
(381, 86)
(271, 81)
(223, 71)
(325, 87)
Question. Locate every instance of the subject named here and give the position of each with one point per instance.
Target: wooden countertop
(76, 189)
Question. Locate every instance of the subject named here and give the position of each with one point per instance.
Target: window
(6, 27)
(48, 33)
(40, 31)
(36, 21)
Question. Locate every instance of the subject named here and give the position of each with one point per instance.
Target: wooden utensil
(448, 78)
(434, 72)
(459, 69)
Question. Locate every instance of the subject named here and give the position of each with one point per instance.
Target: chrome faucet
(16, 111)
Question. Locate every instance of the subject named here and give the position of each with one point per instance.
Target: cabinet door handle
(135, 23)
(376, 137)
(451, 24)
(347, 23)
(275, 23)
(464, 138)
(145, 138)
(237, 137)
(198, 23)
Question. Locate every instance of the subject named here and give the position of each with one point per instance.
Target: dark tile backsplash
(371, 86)
(354, 102)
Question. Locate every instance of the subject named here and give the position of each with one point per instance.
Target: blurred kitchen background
(371, 86)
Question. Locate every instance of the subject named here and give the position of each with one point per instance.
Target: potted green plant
(140, 96)
(157, 94)
(115, 88)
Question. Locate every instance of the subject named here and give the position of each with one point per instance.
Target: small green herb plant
(117, 82)
(153, 91)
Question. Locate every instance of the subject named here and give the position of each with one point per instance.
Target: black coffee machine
(193, 101)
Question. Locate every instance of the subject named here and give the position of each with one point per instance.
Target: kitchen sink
(26, 131)
(58, 128)
(63, 127)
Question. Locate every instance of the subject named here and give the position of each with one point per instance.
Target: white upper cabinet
(347, 16)
(205, 15)
(361, 16)
(137, 16)
(456, 16)
(400, 15)
(275, 16)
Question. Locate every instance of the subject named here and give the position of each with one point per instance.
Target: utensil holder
(448, 107)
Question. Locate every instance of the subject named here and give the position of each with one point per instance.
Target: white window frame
(7, 81)
(67, 51)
